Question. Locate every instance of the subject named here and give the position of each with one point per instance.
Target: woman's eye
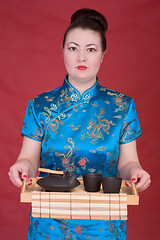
(91, 50)
(72, 48)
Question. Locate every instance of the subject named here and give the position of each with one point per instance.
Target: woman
(81, 127)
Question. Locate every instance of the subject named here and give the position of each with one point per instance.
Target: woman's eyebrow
(73, 43)
(88, 45)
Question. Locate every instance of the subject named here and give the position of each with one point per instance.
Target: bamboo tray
(27, 191)
(79, 204)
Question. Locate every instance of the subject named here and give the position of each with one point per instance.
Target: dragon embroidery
(96, 128)
(66, 157)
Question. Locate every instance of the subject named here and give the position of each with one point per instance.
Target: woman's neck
(82, 85)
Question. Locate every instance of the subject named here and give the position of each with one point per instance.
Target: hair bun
(86, 13)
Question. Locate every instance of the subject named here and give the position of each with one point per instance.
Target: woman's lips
(81, 67)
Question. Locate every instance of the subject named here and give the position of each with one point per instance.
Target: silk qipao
(80, 133)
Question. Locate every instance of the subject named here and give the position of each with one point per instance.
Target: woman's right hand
(21, 170)
(28, 161)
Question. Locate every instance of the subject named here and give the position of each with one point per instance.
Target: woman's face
(82, 55)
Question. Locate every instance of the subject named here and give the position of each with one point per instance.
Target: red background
(31, 33)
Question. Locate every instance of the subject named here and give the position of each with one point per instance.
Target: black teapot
(59, 182)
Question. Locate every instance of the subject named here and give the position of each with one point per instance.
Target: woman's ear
(103, 55)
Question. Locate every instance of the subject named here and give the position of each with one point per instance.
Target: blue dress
(80, 133)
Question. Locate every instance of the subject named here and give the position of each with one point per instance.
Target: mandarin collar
(75, 95)
(70, 97)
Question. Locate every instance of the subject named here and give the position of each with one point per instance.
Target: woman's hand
(21, 170)
(130, 168)
(140, 177)
(27, 163)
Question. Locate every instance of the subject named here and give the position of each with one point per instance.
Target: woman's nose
(82, 56)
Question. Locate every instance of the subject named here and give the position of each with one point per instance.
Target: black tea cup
(92, 182)
(111, 184)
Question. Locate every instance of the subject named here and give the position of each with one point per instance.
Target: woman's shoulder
(114, 94)
(47, 96)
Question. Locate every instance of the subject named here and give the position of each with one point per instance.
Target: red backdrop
(31, 33)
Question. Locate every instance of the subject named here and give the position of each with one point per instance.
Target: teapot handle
(50, 171)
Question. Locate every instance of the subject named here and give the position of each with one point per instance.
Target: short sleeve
(32, 127)
(131, 128)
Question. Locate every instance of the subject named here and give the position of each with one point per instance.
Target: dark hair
(86, 18)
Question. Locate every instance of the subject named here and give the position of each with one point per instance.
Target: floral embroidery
(82, 162)
(78, 229)
(101, 148)
(114, 230)
(92, 151)
(86, 98)
(66, 232)
(65, 160)
(74, 97)
(54, 107)
(71, 89)
(62, 116)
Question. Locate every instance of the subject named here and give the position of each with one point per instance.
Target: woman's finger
(128, 184)
(15, 177)
(142, 187)
(17, 173)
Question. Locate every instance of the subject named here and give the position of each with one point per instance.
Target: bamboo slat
(78, 206)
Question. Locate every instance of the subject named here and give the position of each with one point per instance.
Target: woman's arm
(130, 168)
(27, 163)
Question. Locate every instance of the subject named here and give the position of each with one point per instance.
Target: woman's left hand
(140, 177)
